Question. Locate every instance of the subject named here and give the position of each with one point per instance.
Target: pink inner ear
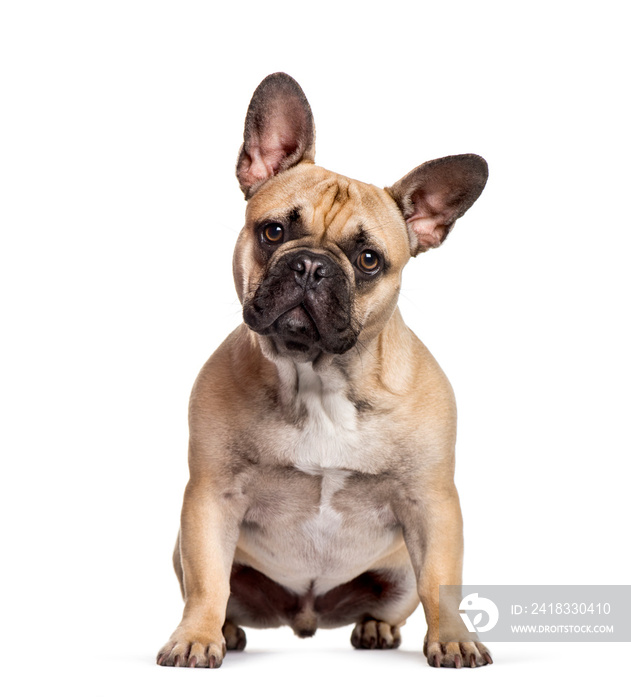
(429, 218)
(429, 233)
(266, 156)
(256, 167)
(279, 137)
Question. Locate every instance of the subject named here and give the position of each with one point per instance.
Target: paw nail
(487, 657)
(192, 662)
(472, 661)
(458, 661)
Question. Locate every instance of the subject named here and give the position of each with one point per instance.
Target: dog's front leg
(432, 526)
(208, 535)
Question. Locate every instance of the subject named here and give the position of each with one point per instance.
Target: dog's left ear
(279, 132)
(435, 194)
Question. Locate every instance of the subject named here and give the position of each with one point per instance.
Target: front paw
(193, 650)
(456, 654)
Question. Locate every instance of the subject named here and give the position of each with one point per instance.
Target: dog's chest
(328, 432)
(323, 516)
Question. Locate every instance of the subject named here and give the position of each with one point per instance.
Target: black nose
(310, 268)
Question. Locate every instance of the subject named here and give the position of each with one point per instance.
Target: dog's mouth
(301, 333)
(296, 330)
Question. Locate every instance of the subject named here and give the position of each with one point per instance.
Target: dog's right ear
(279, 132)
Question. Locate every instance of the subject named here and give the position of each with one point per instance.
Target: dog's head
(318, 263)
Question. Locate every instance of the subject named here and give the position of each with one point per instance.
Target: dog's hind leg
(374, 634)
(378, 602)
(234, 636)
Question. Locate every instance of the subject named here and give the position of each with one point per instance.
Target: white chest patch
(328, 437)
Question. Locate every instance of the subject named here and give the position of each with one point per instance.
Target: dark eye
(273, 233)
(368, 261)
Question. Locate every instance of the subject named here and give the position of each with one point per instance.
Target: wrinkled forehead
(331, 209)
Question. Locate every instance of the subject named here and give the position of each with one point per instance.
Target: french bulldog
(322, 431)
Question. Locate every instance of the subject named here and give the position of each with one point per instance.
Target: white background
(119, 128)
